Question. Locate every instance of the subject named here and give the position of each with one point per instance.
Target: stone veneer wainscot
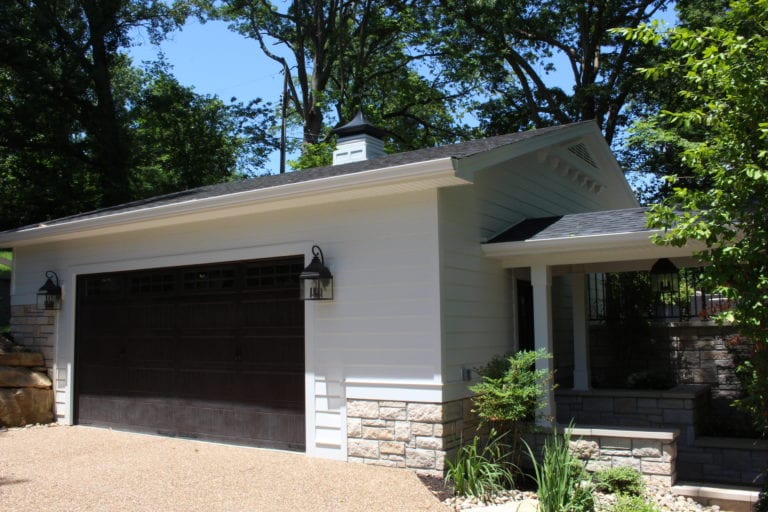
(410, 435)
(35, 329)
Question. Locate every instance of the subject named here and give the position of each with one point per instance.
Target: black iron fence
(624, 296)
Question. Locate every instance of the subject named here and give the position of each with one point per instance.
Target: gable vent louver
(581, 151)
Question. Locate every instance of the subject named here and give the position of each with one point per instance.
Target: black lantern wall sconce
(316, 280)
(665, 277)
(49, 295)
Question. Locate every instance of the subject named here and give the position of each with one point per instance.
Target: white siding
(476, 299)
(381, 333)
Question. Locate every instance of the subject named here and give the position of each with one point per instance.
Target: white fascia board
(416, 176)
(583, 249)
(468, 166)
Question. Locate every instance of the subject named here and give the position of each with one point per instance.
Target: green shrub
(619, 480)
(626, 503)
(480, 472)
(511, 387)
(562, 481)
(762, 500)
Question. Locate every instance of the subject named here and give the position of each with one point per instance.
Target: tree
(722, 70)
(183, 140)
(81, 128)
(507, 49)
(61, 56)
(345, 55)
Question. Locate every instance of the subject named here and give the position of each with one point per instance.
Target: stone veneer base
(36, 329)
(412, 435)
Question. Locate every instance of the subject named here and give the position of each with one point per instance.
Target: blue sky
(217, 61)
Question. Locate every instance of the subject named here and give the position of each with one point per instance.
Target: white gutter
(580, 250)
(569, 244)
(415, 172)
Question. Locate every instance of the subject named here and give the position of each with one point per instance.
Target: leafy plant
(762, 500)
(622, 480)
(480, 472)
(626, 503)
(717, 201)
(511, 387)
(5, 270)
(561, 479)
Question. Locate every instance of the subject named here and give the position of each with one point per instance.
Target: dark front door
(525, 315)
(212, 352)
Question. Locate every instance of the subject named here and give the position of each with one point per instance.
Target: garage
(211, 352)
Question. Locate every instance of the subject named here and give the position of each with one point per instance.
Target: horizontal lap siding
(476, 293)
(382, 326)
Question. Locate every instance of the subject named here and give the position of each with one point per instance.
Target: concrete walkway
(84, 469)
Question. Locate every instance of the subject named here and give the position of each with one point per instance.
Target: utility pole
(283, 114)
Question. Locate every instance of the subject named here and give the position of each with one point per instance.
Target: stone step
(728, 498)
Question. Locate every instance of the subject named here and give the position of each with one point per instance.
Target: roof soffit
(467, 167)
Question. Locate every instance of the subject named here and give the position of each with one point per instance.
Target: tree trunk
(111, 150)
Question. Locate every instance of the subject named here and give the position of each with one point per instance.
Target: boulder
(19, 407)
(21, 377)
(21, 359)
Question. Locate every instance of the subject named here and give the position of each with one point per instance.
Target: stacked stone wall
(651, 452)
(35, 329)
(680, 408)
(412, 435)
(692, 353)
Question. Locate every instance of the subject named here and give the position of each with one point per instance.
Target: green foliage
(5, 270)
(762, 499)
(183, 140)
(561, 479)
(480, 472)
(314, 155)
(511, 388)
(622, 480)
(719, 204)
(630, 503)
(347, 56)
(81, 128)
(507, 49)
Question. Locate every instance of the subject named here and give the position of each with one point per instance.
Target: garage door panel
(210, 315)
(207, 350)
(213, 352)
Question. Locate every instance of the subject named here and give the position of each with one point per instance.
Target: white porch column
(580, 336)
(541, 281)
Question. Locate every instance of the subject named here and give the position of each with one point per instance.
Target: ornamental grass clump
(561, 479)
(480, 472)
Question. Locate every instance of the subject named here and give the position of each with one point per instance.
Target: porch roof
(610, 222)
(612, 240)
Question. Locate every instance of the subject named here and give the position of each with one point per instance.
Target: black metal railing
(623, 296)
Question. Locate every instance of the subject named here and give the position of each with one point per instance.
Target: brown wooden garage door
(212, 352)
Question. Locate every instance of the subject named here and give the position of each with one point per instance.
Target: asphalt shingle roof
(457, 151)
(576, 224)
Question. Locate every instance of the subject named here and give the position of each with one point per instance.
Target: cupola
(358, 140)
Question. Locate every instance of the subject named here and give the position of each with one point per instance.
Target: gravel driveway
(82, 469)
